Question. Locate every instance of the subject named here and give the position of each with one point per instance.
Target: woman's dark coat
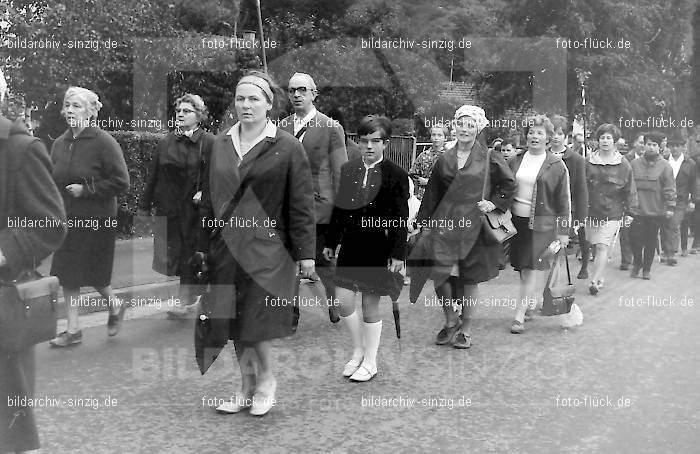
(175, 176)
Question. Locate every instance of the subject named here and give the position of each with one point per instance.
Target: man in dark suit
(685, 174)
(324, 142)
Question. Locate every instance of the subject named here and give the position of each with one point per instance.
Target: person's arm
(38, 199)
(399, 214)
(563, 202)
(336, 227)
(581, 190)
(114, 176)
(668, 187)
(302, 224)
(338, 154)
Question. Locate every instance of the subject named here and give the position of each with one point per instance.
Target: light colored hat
(474, 112)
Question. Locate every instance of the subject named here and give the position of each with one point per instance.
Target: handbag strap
(486, 173)
(566, 259)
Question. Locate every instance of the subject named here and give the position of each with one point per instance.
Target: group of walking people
(265, 203)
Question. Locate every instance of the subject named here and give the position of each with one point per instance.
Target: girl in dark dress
(90, 172)
(450, 217)
(369, 224)
(174, 186)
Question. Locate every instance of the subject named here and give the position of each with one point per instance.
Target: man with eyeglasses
(324, 142)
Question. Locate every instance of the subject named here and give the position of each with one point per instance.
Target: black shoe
(114, 322)
(646, 275)
(66, 339)
(447, 334)
(625, 266)
(333, 315)
(670, 261)
(583, 274)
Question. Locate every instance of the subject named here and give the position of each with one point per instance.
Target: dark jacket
(95, 160)
(686, 183)
(551, 198)
(389, 203)
(176, 174)
(271, 227)
(451, 196)
(324, 143)
(576, 164)
(27, 192)
(656, 187)
(611, 188)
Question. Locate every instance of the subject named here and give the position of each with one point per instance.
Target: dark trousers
(625, 245)
(686, 224)
(671, 231)
(696, 227)
(644, 234)
(324, 268)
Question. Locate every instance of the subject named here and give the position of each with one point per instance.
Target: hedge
(138, 148)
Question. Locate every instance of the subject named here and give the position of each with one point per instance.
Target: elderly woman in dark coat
(174, 186)
(89, 169)
(258, 186)
(450, 216)
(27, 191)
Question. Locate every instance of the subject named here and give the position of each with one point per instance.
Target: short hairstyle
(443, 126)
(373, 123)
(540, 120)
(88, 98)
(638, 135)
(197, 102)
(654, 136)
(608, 128)
(309, 79)
(560, 122)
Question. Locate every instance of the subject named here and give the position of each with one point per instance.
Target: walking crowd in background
(324, 217)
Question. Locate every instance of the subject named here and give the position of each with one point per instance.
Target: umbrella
(394, 292)
(211, 328)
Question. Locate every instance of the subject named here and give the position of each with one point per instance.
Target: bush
(138, 148)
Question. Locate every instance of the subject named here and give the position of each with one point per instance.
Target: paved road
(546, 391)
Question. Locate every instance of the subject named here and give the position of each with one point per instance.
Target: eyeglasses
(186, 111)
(293, 90)
(372, 141)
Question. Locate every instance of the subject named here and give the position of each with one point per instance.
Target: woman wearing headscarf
(257, 196)
(541, 211)
(451, 217)
(174, 186)
(424, 163)
(90, 172)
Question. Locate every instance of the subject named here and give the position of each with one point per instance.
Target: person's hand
(307, 269)
(395, 265)
(422, 181)
(563, 239)
(76, 190)
(485, 206)
(691, 207)
(668, 214)
(328, 253)
(197, 198)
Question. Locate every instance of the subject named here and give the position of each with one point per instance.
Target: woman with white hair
(174, 187)
(90, 172)
(450, 215)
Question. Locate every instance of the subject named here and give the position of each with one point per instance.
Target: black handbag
(28, 307)
(558, 298)
(497, 226)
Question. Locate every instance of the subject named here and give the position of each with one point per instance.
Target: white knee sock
(372, 334)
(352, 321)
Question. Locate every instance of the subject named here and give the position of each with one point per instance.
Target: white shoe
(263, 401)
(364, 373)
(237, 403)
(351, 367)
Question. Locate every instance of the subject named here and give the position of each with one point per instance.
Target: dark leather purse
(558, 298)
(497, 226)
(28, 311)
